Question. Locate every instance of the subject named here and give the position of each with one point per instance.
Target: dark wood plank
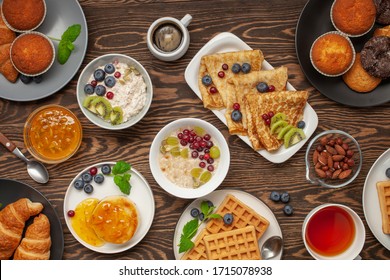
(121, 27)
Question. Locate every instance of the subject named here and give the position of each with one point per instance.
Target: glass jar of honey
(52, 134)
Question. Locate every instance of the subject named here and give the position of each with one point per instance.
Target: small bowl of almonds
(333, 159)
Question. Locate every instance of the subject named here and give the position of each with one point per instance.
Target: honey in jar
(52, 134)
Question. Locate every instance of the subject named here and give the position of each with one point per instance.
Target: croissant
(7, 36)
(12, 221)
(37, 242)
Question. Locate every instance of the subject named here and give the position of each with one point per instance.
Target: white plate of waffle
(248, 211)
(227, 42)
(140, 195)
(371, 205)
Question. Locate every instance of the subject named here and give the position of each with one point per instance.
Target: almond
(323, 160)
(336, 174)
(345, 174)
(337, 157)
(325, 154)
(330, 162)
(324, 140)
(339, 150)
(331, 150)
(318, 165)
(320, 173)
(315, 157)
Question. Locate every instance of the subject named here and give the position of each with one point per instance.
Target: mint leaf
(185, 244)
(122, 183)
(120, 167)
(70, 45)
(63, 52)
(190, 228)
(215, 216)
(204, 207)
(71, 33)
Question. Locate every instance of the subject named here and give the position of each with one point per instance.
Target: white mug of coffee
(168, 38)
(333, 232)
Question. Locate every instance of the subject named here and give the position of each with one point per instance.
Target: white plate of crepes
(376, 199)
(245, 223)
(101, 215)
(249, 96)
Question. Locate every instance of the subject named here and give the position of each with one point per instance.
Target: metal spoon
(35, 169)
(271, 247)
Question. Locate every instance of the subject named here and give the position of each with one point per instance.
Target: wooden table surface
(121, 27)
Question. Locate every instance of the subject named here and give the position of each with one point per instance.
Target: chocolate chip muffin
(382, 11)
(375, 57)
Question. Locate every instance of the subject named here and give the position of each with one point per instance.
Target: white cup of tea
(168, 38)
(333, 232)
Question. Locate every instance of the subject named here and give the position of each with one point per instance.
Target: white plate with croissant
(36, 232)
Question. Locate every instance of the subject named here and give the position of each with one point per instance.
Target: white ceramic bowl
(219, 173)
(89, 70)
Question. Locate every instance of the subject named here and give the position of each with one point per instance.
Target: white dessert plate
(141, 194)
(371, 207)
(227, 42)
(216, 198)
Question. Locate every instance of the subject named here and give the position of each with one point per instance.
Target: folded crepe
(212, 64)
(246, 84)
(291, 103)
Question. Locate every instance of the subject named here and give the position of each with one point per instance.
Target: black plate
(11, 190)
(313, 22)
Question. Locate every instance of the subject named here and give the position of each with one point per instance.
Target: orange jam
(53, 133)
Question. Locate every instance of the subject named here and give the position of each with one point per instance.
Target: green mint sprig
(191, 227)
(66, 46)
(121, 177)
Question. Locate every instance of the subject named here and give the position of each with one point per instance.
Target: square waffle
(243, 216)
(198, 252)
(383, 189)
(238, 244)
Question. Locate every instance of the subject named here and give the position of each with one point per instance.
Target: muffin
(358, 79)
(382, 11)
(353, 17)
(23, 15)
(332, 54)
(32, 53)
(375, 57)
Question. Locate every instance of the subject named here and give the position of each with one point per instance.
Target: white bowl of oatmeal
(189, 158)
(114, 91)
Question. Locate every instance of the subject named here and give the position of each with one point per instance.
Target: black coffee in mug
(167, 37)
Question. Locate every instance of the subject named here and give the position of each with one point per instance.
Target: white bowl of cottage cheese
(189, 158)
(114, 91)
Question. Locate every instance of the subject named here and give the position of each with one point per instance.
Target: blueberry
(201, 216)
(206, 80)
(38, 79)
(109, 68)
(195, 212)
(78, 184)
(262, 87)
(275, 196)
(285, 197)
(236, 115)
(100, 90)
(25, 79)
(106, 169)
(388, 172)
(209, 203)
(99, 75)
(246, 68)
(288, 210)
(301, 124)
(89, 89)
(228, 218)
(236, 68)
(99, 178)
(110, 81)
(86, 177)
(88, 188)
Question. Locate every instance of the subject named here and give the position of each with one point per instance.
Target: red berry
(236, 106)
(206, 156)
(93, 171)
(265, 117)
(192, 133)
(186, 137)
(225, 66)
(206, 151)
(186, 131)
(209, 144)
(196, 145)
(180, 135)
(210, 161)
(203, 144)
(268, 121)
(191, 139)
(194, 154)
(71, 213)
(221, 74)
(183, 142)
(201, 157)
(207, 137)
(93, 83)
(110, 95)
(202, 164)
(271, 88)
(213, 90)
(271, 114)
(117, 75)
(191, 146)
(210, 168)
(198, 139)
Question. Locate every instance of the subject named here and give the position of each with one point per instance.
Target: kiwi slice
(293, 136)
(102, 106)
(283, 131)
(278, 126)
(88, 103)
(278, 117)
(116, 115)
